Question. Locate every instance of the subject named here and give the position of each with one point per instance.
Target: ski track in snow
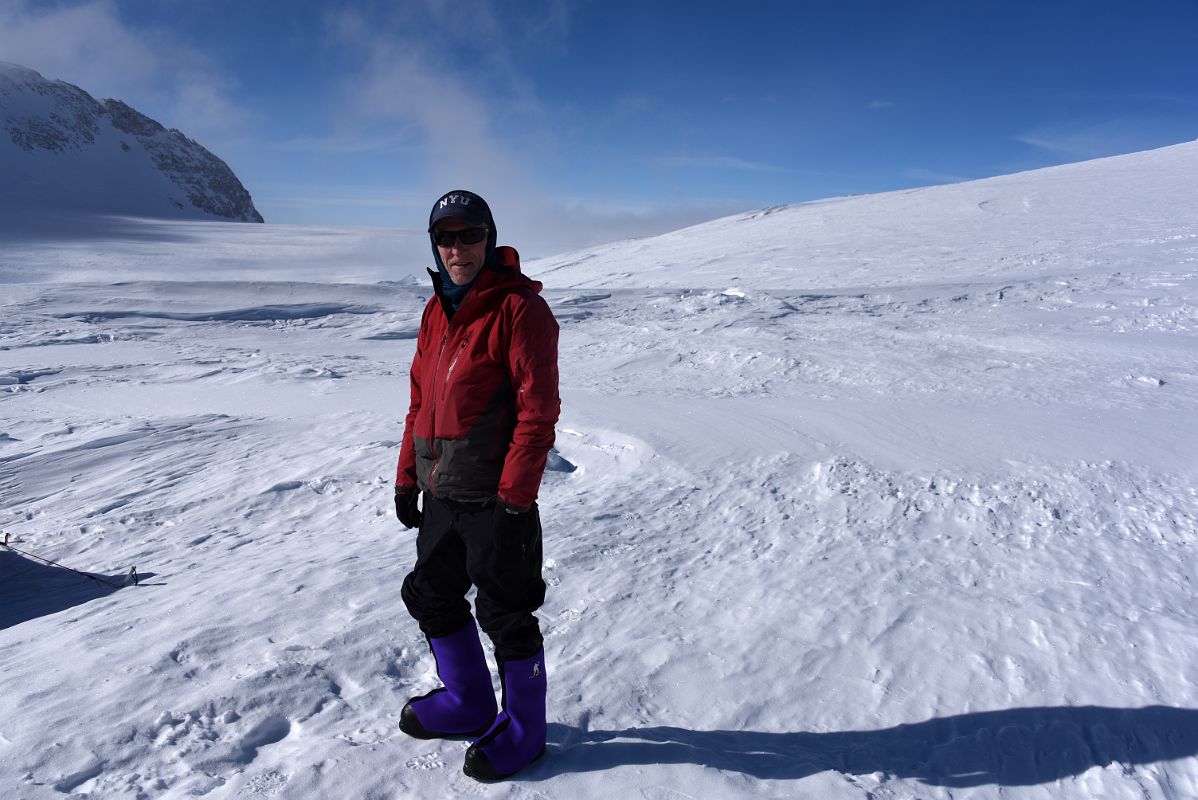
(930, 539)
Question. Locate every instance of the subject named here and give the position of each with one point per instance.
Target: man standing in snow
(477, 435)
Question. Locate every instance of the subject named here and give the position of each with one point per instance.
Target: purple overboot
(517, 737)
(465, 705)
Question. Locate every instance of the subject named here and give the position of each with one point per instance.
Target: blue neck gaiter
(450, 289)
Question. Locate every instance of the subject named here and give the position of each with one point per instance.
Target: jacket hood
(469, 208)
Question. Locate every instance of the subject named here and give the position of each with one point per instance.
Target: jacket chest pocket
(456, 357)
(476, 360)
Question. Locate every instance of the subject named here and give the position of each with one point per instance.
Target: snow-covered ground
(879, 497)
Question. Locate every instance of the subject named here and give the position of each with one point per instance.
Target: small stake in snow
(132, 576)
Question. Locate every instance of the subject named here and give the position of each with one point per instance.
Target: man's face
(462, 261)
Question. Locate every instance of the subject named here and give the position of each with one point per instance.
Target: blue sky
(588, 121)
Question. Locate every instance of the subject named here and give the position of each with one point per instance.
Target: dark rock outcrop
(209, 183)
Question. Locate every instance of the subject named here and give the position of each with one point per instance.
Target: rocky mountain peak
(61, 148)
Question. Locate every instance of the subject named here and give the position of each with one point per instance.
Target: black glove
(406, 506)
(514, 527)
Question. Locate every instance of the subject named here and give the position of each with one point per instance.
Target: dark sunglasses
(467, 236)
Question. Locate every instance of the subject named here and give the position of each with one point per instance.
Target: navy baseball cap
(461, 205)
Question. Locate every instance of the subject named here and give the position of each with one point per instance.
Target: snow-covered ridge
(1128, 209)
(62, 149)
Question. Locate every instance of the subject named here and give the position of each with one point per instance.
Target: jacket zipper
(444, 386)
(453, 364)
(433, 417)
(444, 340)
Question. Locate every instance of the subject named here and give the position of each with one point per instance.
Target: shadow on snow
(30, 589)
(1016, 747)
(39, 226)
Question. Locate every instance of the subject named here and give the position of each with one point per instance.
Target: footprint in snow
(425, 762)
(265, 784)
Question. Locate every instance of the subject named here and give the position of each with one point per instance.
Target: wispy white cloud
(634, 103)
(575, 224)
(200, 104)
(474, 121)
(333, 196)
(451, 96)
(1090, 139)
(877, 105)
(933, 176)
(720, 162)
(347, 143)
(88, 44)
(1162, 99)
(84, 42)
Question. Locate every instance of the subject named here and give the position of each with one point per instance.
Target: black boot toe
(478, 766)
(410, 724)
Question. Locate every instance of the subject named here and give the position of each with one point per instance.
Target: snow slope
(1129, 210)
(61, 150)
(893, 497)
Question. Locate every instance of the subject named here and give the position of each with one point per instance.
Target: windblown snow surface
(877, 497)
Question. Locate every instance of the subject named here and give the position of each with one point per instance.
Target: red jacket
(484, 391)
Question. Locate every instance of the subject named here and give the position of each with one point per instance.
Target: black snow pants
(455, 548)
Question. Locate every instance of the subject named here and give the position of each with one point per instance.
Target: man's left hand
(406, 509)
(514, 526)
